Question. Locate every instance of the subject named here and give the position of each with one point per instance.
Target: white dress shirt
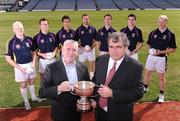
(111, 63)
(71, 72)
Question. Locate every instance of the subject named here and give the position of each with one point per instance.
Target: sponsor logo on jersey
(90, 31)
(101, 33)
(42, 41)
(82, 32)
(155, 36)
(18, 46)
(133, 34)
(27, 44)
(164, 36)
(50, 39)
(63, 36)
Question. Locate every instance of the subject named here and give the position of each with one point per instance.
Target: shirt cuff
(59, 92)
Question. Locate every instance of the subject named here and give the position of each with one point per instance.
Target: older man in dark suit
(56, 83)
(120, 78)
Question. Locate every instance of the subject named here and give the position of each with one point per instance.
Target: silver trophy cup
(84, 89)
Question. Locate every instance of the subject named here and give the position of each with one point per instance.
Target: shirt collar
(85, 27)
(163, 31)
(43, 33)
(15, 37)
(65, 29)
(132, 29)
(118, 62)
(108, 29)
(71, 64)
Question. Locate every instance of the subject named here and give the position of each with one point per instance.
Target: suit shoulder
(54, 64)
(102, 57)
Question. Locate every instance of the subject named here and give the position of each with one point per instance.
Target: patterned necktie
(103, 101)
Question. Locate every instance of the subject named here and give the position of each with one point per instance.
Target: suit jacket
(64, 104)
(126, 85)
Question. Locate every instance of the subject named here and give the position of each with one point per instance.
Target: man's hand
(93, 103)
(22, 69)
(105, 91)
(42, 55)
(49, 55)
(64, 87)
(87, 48)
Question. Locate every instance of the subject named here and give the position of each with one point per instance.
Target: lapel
(104, 69)
(63, 70)
(122, 67)
(78, 69)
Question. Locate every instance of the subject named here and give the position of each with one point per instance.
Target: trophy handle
(97, 93)
(71, 87)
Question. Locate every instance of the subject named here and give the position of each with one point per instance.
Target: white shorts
(83, 56)
(21, 76)
(135, 56)
(156, 63)
(43, 63)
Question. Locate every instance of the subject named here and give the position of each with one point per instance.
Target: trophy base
(85, 111)
(83, 106)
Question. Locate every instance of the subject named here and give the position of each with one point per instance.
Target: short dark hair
(85, 14)
(108, 15)
(43, 19)
(65, 17)
(132, 15)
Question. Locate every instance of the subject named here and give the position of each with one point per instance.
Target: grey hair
(117, 37)
(68, 41)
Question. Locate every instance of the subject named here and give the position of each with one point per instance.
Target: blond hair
(17, 24)
(164, 17)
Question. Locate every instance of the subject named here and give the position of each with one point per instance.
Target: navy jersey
(134, 36)
(63, 35)
(161, 41)
(85, 36)
(20, 50)
(102, 37)
(44, 42)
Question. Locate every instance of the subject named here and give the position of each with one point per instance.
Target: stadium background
(146, 20)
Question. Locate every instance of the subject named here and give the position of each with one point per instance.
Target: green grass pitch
(146, 20)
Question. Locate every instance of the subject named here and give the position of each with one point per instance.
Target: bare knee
(162, 77)
(23, 85)
(31, 81)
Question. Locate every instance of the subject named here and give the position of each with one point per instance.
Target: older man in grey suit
(120, 78)
(56, 83)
